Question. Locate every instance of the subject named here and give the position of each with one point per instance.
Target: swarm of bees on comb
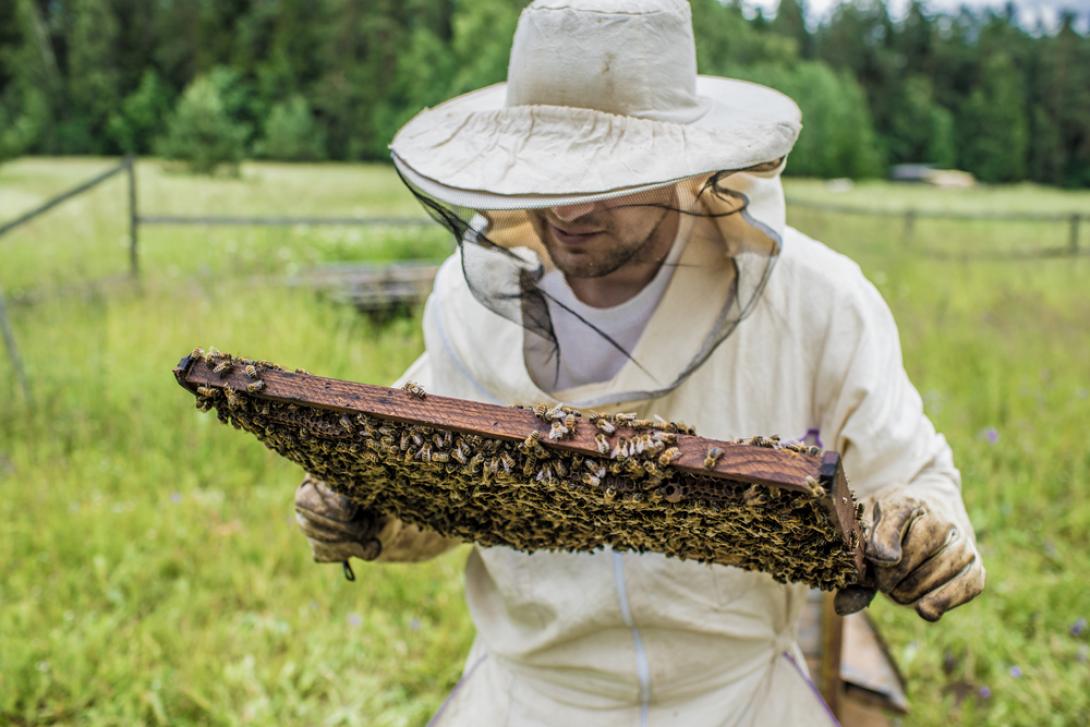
(533, 496)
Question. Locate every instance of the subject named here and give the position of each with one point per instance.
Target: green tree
(838, 137)
(92, 77)
(993, 128)
(134, 126)
(790, 22)
(292, 133)
(920, 130)
(202, 133)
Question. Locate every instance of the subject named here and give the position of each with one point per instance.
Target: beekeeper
(622, 247)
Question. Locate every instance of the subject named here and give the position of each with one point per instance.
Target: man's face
(595, 239)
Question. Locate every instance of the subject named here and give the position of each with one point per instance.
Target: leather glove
(336, 528)
(916, 556)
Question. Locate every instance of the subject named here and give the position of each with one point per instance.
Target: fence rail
(281, 221)
(64, 196)
(910, 215)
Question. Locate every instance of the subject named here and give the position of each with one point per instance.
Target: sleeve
(872, 414)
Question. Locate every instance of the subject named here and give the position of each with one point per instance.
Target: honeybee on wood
(251, 371)
(222, 367)
(816, 489)
(415, 389)
(558, 430)
(602, 443)
(605, 426)
(710, 459)
(255, 386)
(208, 391)
(669, 455)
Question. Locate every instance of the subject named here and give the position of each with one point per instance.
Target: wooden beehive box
(554, 479)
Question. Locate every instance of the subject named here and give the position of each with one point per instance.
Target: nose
(571, 212)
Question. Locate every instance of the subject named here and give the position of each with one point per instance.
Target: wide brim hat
(602, 99)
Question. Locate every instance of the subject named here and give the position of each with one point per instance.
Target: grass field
(152, 569)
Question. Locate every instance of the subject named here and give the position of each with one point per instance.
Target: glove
(336, 528)
(917, 556)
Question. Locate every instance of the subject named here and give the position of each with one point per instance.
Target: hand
(336, 528)
(919, 557)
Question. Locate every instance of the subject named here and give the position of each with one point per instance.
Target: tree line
(213, 81)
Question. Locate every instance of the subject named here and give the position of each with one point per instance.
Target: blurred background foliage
(214, 81)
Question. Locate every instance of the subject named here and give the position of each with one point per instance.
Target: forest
(213, 81)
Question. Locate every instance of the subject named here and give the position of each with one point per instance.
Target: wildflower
(1016, 671)
(1078, 627)
(354, 619)
(984, 692)
(991, 435)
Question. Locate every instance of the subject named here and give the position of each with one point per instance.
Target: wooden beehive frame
(778, 471)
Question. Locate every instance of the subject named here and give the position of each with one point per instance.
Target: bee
(605, 426)
(507, 462)
(207, 391)
(558, 430)
(474, 463)
(665, 437)
(415, 389)
(458, 455)
(569, 421)
(602, 443)
(539, 410)
(561, 468)
(424, 453)
(255, 386)
(609, 495)
(440, 457)
(669, 456)
(625, 417)
(816, 490)
(710, 459)
(406, 440)
(251, 371)
(346, 423)
(222, 367)
(417, 439)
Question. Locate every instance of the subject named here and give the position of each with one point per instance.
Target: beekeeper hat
(602, 99)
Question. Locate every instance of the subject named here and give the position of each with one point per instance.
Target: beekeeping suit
(758, 330)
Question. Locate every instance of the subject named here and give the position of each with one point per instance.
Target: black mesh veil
(728, 235)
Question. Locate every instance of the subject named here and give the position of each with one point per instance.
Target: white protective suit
(623, 639)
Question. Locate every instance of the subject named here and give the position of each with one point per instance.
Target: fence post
(910, 225)
(134, 217)
(1074, 241)
(13, 351)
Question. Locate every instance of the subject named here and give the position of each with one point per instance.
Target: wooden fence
(910, 216)
(136, 220)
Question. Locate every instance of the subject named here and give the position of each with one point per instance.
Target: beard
(603, 253)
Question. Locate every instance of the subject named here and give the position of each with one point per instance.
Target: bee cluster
(494, 491)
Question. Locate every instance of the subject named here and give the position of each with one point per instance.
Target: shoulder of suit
(814, 283)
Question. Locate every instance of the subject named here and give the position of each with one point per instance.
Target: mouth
(573, 238)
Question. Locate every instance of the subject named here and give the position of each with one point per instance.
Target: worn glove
(916, 556)
(336, 528)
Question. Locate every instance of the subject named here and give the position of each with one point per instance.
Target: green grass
(152, 569)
